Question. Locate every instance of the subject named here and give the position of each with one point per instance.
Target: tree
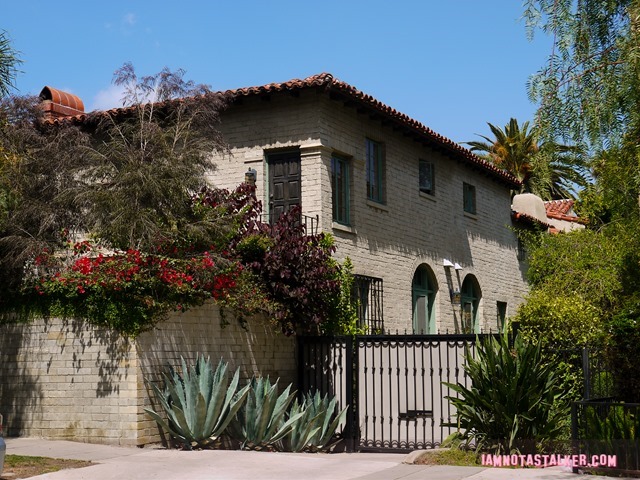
(127, 179)
(548, 169)
(150, 158)
(35, 162)
(590, 88)
(9, 62)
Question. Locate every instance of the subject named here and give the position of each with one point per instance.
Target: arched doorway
(423, 292)
(471, 295)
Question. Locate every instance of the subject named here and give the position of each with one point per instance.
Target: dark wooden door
(284, 183)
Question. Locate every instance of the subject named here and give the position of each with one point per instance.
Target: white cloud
(129, 19)
(110, 97)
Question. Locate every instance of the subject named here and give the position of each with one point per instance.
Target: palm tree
(548, 169)
(8, 64)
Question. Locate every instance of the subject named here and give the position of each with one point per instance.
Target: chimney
(57, 104)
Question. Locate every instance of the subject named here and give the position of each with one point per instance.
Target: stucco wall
(68, 380)
(411, 229)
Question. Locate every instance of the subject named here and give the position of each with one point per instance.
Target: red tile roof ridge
(329, 82)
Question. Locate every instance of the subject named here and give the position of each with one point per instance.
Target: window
(340, 190)
(368, 292)
(375, 171)
(470, 302)
(423, 296)
(426, 175)
(469, 198)
(501, 313)
(521, 252)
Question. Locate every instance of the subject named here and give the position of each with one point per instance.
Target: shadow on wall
(20, 387)
(255, 348)
(111, 349)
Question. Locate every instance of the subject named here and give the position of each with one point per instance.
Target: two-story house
(426, 222)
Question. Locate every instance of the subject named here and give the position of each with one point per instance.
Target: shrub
(298, 273)
(127, 291)
(344, 317)
(262, 422)
(200, 403)
(554, 320)
(515, 398)
(623, 351)
(316, 424)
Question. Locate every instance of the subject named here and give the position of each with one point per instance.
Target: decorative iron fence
(607, 430)
(590, 369)
(392, 384)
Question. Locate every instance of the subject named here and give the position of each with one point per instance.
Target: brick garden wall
(69, 380)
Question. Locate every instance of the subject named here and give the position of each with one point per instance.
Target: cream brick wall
(69, 380)
(256, 349)
(411, 229)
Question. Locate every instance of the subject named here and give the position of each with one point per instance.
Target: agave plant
(515, 401)
(200, 403)
(262, 421)
(316, 424)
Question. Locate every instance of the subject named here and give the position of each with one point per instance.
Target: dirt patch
(20, 466)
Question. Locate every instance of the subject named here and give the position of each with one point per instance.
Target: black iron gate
(392, 384)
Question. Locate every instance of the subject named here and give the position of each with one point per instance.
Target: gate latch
(415, 414)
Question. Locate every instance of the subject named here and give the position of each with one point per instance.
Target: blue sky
(451, 64)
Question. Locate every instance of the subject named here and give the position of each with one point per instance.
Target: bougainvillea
(251, 267)
(130, 291)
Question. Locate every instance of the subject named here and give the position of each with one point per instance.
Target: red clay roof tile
(562, 210)
(326, 82)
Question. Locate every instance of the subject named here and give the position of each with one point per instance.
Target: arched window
(423, 289)
(470, 300)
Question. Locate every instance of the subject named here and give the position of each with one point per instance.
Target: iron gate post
(586, 373)
(351, 387)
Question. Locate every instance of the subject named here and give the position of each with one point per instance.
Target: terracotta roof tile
(331, 85)
(562, 210)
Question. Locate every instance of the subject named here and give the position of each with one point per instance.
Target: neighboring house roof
(528, 209)
(530, 220)
(562, 210)
(556, 216)
(352, 97)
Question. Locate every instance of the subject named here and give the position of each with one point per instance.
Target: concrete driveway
(160, 464)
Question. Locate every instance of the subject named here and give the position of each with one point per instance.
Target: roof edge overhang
(350, 97)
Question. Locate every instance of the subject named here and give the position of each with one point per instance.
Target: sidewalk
(156, 463)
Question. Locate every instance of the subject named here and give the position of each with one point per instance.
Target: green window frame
(469, 198)
(423, 293)
(470, 292)
(340, 191)
(426, 176)
(375, 170)
(501, 315)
